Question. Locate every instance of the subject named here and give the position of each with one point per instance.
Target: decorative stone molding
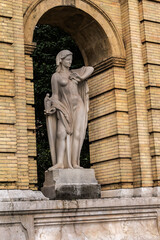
(29, 48)
(127, 218)
(109, 63)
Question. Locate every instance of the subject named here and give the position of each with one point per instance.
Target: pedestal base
(68, 184)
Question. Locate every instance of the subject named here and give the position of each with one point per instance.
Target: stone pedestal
(68, 184)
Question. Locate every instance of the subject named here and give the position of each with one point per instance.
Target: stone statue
(67, 112)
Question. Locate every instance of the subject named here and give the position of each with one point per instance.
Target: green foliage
(50, 40)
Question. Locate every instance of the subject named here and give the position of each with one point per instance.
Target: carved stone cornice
(109, 63)
(29, 48)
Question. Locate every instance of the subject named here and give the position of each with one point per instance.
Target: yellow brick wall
(8, 134)
(112, 174)
(31, 133)
(7, 83)
(20, 97)
(6, 29)
(113, 100)
(110, 148)
(150, 37)
(17, 169)
(30, 117)
(110, 152)
(7, 110)
(137, 109)
(6, 9)
(108, 125)
(7, 56)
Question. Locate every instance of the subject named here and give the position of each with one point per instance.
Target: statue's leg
(77, 131)
(60, 146)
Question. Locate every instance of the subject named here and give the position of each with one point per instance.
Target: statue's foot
(75, 166)
(57, 166)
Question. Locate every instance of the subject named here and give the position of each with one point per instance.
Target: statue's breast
(64, 90)
(63, 82)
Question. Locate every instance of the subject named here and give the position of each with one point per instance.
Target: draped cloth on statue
(65, 109)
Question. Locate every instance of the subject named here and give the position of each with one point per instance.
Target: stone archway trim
(39, 7)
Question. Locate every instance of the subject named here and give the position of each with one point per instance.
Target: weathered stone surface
(71, 184)
(156, 192)
(21, 195)
(117, 193)
(143, 192)
(128, 193)
(92, 219)
(122, 230)
(13, 231)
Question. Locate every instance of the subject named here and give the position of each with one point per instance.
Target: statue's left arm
(82, 73)
(87, 71)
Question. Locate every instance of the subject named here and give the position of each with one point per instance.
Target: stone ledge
(129, 193)
(21, 195)
(106, 219)
(118, 193)
(107, 204)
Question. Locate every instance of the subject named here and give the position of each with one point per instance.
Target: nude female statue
(67, 112)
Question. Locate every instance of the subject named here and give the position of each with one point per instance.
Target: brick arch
(102, 47)
(97, 37)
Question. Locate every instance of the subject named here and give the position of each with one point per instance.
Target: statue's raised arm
(67, 120)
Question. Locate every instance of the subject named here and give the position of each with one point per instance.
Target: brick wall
(150, 38)
(16, 167)
(109, 129)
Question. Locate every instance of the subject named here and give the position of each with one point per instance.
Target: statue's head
(60, 56)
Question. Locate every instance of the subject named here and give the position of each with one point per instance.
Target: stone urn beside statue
(66, 119)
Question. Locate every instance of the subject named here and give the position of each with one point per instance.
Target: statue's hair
(61, 55)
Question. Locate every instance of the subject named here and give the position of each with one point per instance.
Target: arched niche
(93, 30)
(101, 46)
